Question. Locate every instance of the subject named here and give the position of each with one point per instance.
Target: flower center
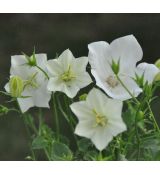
(112, 81)
(31, 81)
(68, 75)
(101, 120)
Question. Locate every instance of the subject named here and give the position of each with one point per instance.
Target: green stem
(27, 130)
(153, 117)
(100, 156)
(127, 89)
(68, 119)
(55, 114)
(43, 71)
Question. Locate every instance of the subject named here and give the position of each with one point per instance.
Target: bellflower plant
(98, 107)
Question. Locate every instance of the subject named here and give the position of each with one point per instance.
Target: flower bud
(83, 97)
(115, 66)
(16, 86)
(157, 77)
(157, 63)
(140, 115)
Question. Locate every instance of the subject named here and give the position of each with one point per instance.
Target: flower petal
(99, 56)
(71, 90)
(41, 60)
(149, 71)
(82, 80)
(17, 60)
(82, 110)
(54, 68)
(54, 84)
(25, 103)
(66, 59)
(101, 138)
(41, 96)
(128, 50)
(85, 129)
(80, 64)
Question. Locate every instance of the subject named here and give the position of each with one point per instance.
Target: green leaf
(61, 151)
(84, 144)
(91, 155)
(39, 143)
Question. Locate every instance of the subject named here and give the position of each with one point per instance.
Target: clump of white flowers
(113, 121)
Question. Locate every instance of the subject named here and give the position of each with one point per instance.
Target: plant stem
(43, 71)
(27, 130)
(127, 89)
(55, 114)
(153, 117)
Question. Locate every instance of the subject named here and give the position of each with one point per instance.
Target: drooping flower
(35, 91)
(99, 118)
(68, 74)
(119, 57)
(146, 72)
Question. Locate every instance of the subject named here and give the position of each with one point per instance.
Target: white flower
(124, 50)
(35, 82)
(148, 71)
(68, 74)
(99, 118)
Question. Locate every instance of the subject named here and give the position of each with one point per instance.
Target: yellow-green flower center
(68, 75)
(112, 81)
(31, 81)
(101, 120)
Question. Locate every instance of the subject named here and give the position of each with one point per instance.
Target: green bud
(140, 115)
(115, 66)
(16, 86)
(139, 79)
(83, 97)
(157, 77)
(31, 60)
(3, 110)
(157, 63)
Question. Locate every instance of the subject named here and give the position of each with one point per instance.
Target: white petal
(41, 96)
(54, 67)
(17, 60)
(85, 129)
(79, 64)
(116, 126)
(119, 92)
(101, 138)
(82, 80)
(97, 100)
(66, 59)
(149, 71)
(71, 91)
(54, 84)
(82, 111)
(128, 50)
(113, 109)
(41, 60)
(25, 103)
(99, 57)
(6, 87)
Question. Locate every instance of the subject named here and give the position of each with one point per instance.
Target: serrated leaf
(61, 151)
(39, 143)
(84, 144)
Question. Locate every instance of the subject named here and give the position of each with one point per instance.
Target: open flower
(35, 91)
(119, 57)
(99, 118)
(68, 74)
(146, 72)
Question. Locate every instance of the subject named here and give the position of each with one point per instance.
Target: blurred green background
(53, 33)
